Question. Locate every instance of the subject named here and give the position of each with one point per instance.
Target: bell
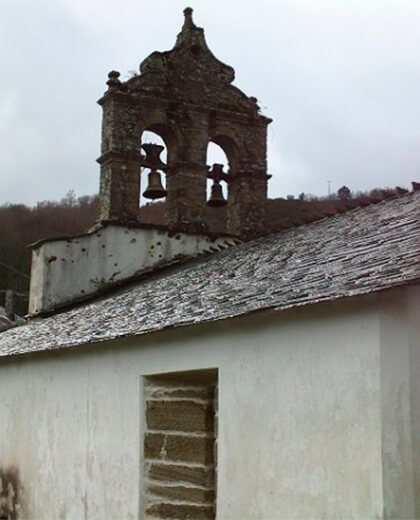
(216, 199)
(154, 190)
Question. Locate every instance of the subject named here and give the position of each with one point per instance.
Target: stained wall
(313, 420)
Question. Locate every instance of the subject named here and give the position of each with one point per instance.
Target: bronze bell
(216, 199)
(154, 190)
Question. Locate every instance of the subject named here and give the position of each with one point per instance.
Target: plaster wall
(397, 455)
(70, 269)
(413, 337)
(300, 417)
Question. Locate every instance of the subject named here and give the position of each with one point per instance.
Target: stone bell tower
(186, 96)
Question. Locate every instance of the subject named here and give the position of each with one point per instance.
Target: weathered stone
(181, 402)
(186, 494)
(178, 448)
(200, 392)
(194, 475)
(119, 187)
(186, 96)
(186, 416)
(181, 512)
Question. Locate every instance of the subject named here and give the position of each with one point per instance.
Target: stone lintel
(126, 156)
(180, 415)
(195, 475)
(179, 448)
(181, 511)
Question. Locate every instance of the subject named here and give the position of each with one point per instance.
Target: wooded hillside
(21, 226)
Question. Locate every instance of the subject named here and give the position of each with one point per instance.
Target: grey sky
(340, 78)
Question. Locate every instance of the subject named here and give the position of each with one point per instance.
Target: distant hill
(21, 226)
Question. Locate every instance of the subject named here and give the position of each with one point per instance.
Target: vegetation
(21, 226)
(345, 193)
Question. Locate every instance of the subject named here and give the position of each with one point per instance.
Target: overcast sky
(340, 79)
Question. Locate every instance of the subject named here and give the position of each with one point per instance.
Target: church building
(220, 363)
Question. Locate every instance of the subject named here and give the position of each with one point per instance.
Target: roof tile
(358, 252)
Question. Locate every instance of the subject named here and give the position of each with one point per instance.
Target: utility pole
(329, 188)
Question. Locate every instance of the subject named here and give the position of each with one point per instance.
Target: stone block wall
(184, 95)
(179, 446)
(119, 190)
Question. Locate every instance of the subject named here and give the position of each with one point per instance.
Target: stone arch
(170, 138)
(216, 155)
(185, 96)
(230, 148)
(168, 135)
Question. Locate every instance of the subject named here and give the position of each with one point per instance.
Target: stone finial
(188, 22)
(113, 79)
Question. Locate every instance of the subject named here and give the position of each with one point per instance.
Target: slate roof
(358, 252)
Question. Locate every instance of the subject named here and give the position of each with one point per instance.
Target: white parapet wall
(71, 269)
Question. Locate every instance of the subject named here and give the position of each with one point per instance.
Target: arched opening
(151, 137)
(216, 155)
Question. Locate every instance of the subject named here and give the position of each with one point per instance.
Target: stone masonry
(179, 448)
(186, 96)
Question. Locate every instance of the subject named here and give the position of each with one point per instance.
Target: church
(220, 363)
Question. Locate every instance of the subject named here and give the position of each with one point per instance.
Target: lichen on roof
(358, 252)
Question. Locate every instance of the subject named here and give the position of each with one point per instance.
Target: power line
(21, 295)
(15, 270)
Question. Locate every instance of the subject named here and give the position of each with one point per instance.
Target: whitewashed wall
(311, 412)
(69, 269)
